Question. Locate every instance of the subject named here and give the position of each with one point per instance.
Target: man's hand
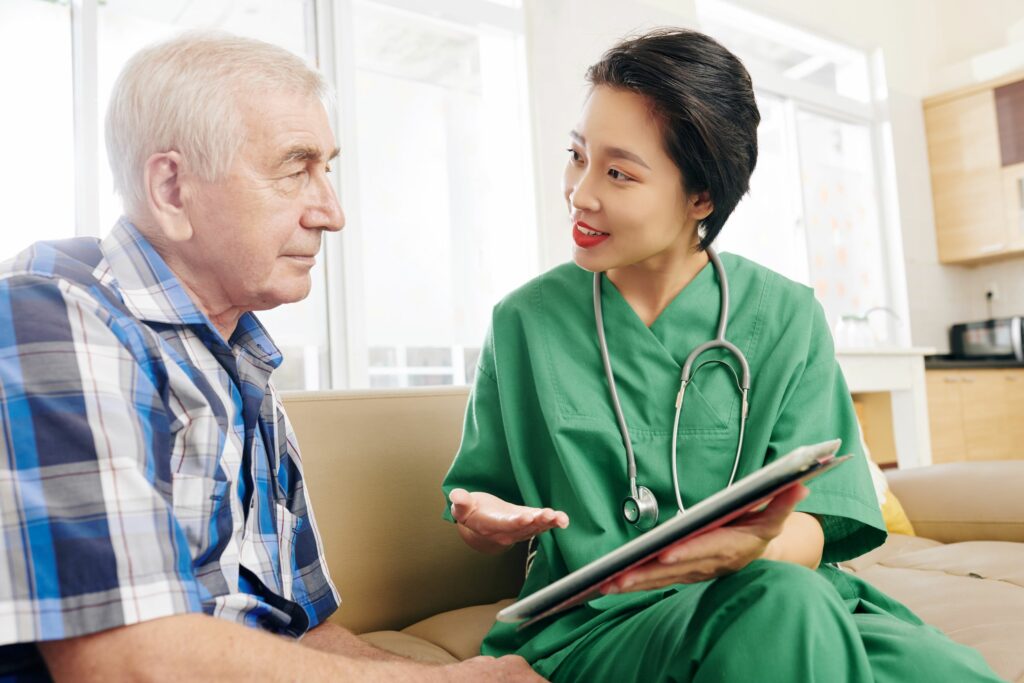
(719, 552)
(507, 669)
(491, 524)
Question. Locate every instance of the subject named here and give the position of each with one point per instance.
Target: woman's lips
(586, 236)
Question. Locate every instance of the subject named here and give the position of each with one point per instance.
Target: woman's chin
(588, 260)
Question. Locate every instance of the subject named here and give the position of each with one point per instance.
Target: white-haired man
(153, 515)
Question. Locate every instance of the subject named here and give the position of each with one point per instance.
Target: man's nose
(324, 211)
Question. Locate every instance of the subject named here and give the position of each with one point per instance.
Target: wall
(924, 43)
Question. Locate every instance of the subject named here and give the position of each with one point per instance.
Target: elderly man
(154, 519)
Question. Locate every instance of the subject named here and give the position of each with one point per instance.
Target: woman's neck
(651, 285)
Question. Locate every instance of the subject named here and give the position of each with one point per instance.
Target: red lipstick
(585, 240)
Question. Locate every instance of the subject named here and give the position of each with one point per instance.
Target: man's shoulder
(75, 267)
(75, 260)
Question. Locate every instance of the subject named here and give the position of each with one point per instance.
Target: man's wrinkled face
(257, 230)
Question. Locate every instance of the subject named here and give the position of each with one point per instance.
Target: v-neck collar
(698, 301)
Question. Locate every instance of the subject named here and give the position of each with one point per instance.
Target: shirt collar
(150, 290)
(153, 293)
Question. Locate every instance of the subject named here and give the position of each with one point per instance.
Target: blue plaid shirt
(147, 467)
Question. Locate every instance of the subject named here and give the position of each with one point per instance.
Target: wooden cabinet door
(967, 179)
(945, 416)
(1013, 201)
(1014, 397)
(986, 415)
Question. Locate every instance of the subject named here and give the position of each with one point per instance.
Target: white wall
(925, 44)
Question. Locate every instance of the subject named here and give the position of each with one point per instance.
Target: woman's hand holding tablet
(721, 551)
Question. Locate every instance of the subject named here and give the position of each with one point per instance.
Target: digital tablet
(712, 512)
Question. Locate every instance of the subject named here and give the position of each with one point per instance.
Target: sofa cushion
(973, 591)
(894, 546)
(409, 646)
(459, 631)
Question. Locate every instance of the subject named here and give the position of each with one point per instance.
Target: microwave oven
(994, 339)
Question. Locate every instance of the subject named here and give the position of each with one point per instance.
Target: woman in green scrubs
(661, 155)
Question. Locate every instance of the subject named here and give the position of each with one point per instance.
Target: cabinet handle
(992, 248)
(950, 380)
(967, 379)
(1011, 378)
(1020, 204)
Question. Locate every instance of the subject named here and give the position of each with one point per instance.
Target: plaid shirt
(147, 467)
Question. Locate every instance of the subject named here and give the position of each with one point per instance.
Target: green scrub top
(540, 428)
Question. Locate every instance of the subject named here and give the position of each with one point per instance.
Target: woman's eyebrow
(614, 152)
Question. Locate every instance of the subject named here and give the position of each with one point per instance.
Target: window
(815, 210)
(442, 224)
(436, 179)
(36, 124)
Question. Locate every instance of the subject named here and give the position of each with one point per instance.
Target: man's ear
(164, 188)
(701, 205)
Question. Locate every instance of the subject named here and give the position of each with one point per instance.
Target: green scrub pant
(772, 621)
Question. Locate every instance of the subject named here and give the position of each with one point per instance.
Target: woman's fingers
(770, 520)
(462, 504)
(491, 516)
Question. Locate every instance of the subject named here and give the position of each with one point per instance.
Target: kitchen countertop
(948, 363)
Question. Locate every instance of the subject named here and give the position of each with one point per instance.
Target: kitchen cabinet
(976, 414)
(976, 158)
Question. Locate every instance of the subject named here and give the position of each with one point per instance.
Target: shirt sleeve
(483, 462)
(89, 538)
(818, 407)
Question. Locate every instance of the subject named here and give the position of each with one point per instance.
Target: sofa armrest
(373, 462)
(964, 501)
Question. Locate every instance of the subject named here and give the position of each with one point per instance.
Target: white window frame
(812, 98)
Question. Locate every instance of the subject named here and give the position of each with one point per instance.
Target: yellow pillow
(895, 518)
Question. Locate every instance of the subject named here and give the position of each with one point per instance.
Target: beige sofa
(374, 462)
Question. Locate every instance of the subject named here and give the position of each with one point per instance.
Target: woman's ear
(164, 188)
(701, 205)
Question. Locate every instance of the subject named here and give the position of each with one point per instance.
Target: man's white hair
(185, 95)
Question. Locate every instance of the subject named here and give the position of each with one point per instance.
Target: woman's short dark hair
(703, 97)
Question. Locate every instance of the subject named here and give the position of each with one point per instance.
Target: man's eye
(327, 168)
(298, 174)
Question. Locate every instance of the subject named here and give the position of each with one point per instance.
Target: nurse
(660, 157)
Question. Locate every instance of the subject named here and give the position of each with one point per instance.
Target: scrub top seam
(538, 301)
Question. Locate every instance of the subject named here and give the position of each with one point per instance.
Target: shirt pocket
(711, 403)
(288, 525)
(202, 509)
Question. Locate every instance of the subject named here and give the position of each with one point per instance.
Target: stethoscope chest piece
(641, 510)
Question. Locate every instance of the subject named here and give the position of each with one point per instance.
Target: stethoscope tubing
(686, 377)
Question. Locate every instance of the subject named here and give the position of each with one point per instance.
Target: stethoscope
(640, 508)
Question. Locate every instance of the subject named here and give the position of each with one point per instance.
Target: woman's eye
(617, 174)
(574, 155)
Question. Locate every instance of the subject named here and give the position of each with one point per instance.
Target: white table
(900, 372)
